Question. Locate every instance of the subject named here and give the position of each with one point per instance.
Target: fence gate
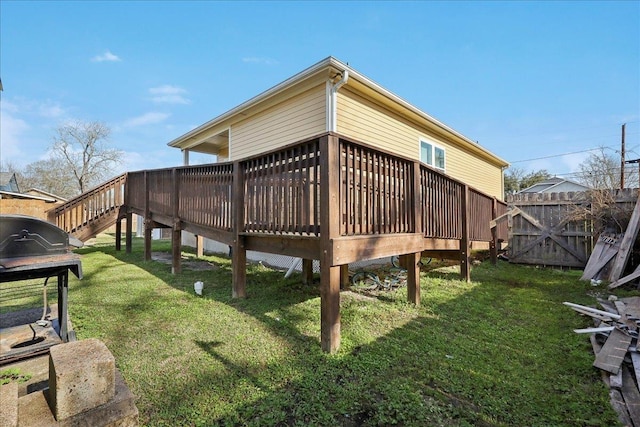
(541, 232)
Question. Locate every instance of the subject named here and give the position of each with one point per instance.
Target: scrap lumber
(631, 396)
(627, 244)
(605, 249)
(593, 312)
(626, 279)
(594, 330)
(635, 360)
(613, 351)
(618, 404)
(621, 374)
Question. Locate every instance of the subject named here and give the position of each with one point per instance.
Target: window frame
(434, 145)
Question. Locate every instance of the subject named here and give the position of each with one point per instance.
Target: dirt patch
(189, 264)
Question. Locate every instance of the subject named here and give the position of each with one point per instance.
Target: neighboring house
(8, 182)
(28, 204)
(555, 185)
(331, 96)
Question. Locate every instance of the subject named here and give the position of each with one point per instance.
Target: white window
(432, 155)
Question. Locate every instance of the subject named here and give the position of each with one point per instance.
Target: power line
(560, 155)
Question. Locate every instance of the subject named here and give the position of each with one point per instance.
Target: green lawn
(497, 351)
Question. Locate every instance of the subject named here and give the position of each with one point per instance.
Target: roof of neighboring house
(38, 192)
(8, 182)
(331, 66)
(552, 185)
(13, 195)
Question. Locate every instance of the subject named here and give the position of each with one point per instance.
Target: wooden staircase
(93, 211)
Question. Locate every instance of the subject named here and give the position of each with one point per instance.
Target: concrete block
(81, 377)
(120, 411)
(9, 404)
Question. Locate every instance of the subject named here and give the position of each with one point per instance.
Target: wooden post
(119, 234)
(493, 245)
(238, 252)
(417, 199)
(329, 225)
(129, 233)
(148, 224)
(307, 271)
(344, 276)
(176, 232)
(199, 246)
(465, 265)
(412, 263)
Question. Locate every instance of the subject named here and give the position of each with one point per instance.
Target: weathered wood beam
(119, 234)
(176, 231)
(465, 260)
(239, 251)
(199, 246)
(129, 233)
(627, 244)
(329, 273)
(307, 271)
(412, 263)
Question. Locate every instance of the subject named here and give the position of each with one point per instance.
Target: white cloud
(12, 138)
(167, 94)
(259, 60)
(106, 57)
(147, 119)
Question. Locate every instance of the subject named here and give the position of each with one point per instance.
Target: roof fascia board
(269, 93)
(28, 196)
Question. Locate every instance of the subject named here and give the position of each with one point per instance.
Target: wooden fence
(544, 230)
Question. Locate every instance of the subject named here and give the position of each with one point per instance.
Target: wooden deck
(327, 198)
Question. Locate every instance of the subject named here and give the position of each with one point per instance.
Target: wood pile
(615, 343)
(611, 254)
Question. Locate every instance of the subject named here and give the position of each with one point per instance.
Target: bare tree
(602, 171)
(47, 175)
(81, 147)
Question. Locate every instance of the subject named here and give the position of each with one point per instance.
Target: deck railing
(379, 193)
(90, 207)
(282, 190)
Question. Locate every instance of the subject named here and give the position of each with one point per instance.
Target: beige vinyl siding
(376, 125)
(292, 120)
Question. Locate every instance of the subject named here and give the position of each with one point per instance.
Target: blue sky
(527, 80)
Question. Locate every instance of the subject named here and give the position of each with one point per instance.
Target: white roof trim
(28, 196)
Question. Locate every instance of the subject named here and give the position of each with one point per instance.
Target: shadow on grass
(499, 351)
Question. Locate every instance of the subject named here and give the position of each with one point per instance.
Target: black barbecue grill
(34, 249)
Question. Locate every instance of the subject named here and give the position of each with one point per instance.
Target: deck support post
(411, 262)
(465, 242)
(176, 250)
(238, 248)
(119, 234)
(148, 223)
(344, 276)
(129, 233)
(493, 245)
(329, 228)
(199, 246)
(307, 271)
(329, 307)
(176, 229)
(148, 228)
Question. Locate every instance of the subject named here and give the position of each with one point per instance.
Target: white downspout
(333, 120)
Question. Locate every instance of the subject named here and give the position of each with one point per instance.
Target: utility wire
(563, 154)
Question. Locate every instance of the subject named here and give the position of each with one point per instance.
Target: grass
(499, 351)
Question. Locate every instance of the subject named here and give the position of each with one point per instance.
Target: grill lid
(25, 236)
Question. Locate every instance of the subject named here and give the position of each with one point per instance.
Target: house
(34, 202)
(326, 166)
(555, 185)
(330, 96)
